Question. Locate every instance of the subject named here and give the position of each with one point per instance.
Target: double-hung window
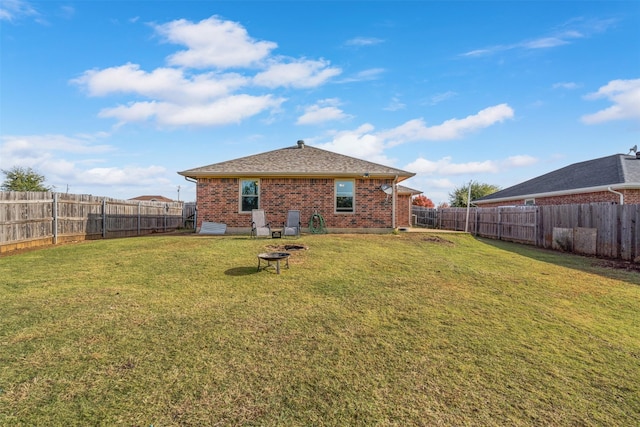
(249, 195)
(345, 197)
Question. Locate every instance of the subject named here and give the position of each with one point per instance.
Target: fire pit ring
(273, 256)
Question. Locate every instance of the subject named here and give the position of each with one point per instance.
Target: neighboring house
(611, 179)
(352, 195)
(153, 199)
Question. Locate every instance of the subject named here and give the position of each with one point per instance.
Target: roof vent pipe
(300, 143)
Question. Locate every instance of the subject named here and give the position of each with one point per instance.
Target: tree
(443, 205)
(459, 196)
(423, 200)
(23, 179)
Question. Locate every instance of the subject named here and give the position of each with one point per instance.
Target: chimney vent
(300, 143)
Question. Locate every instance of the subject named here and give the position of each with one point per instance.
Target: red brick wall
(630, 197)
(218, 201)
(403, 219)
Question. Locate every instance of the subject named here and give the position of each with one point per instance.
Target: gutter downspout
(618, 193)
(393, 203)
(186, 178)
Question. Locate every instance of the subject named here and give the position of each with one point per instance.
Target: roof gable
(602, 172)
(298, 160)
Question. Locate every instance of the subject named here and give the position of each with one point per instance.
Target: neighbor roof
(300, 161)
(152, 198)
(616, 171)
(401, 189)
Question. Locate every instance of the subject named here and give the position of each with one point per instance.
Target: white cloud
(364, 143)
(520, 160)
(443, 183)
(625, 96)
(13, 10)
(544, 43)
(297, 74)
(28, 150)
(163, 83)
(440, 97)
(360, 143)
(324, 111)
(232, 109)
(213, 42)
(574, 29)
(395, 105)
(178, 97)
(70, 161)
(128, 175)
(67, 12)
(416, 129)
(364, 76)
(566, 85)
(445, 165)
(363, 41)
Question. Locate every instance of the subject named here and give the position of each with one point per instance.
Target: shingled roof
(401, 189)
(299, 160)
(616, 171)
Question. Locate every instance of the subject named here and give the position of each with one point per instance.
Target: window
(344, 196)
(529, 202)
(249, 198)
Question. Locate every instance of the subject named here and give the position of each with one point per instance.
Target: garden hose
(316, 224)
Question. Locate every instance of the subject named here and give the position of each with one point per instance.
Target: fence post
(139, 218)
(535, 227)
(475, 222)
(54, 226)
(164, 217)
(104, 218)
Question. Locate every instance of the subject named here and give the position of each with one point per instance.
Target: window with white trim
(529, 202)
(249, 195)
(344, 196)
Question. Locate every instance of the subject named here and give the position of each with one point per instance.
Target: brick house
(352, 195)
(405, 198)
(611, 179)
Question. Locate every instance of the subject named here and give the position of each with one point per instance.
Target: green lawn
(388, 330)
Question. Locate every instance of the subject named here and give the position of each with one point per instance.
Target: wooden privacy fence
(38, 218)
(612, 230)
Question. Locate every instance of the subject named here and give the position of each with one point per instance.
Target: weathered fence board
(36, 218)
(616, 227)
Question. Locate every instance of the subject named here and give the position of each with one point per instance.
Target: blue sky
(113, 98)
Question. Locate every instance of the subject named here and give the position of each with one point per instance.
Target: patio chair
(292, 226)
(259, 224)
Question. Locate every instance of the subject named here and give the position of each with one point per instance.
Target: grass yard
(387, 330)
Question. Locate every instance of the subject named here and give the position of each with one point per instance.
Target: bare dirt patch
(438, 239)
(618, 264)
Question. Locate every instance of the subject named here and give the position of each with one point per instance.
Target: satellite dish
(388, 190)
(633, 149)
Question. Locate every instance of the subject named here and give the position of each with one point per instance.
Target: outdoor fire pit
(274, 256)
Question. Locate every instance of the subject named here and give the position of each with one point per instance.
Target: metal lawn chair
(259, 224)
(292, 225)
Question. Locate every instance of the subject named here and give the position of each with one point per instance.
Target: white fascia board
(625, 186)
